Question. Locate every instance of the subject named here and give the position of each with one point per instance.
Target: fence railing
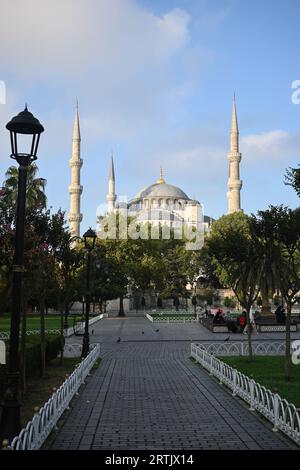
(171, 318)
(5, 335)
(284, 415)
(38, 429)
(241, 348)
(67, 331)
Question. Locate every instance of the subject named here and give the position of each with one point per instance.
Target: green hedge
(33, 354)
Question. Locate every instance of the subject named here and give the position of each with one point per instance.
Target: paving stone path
(148, 394)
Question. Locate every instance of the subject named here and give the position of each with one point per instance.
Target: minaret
(234, 157)
(75, 189)
(111, 196)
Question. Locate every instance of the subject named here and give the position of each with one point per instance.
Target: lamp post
(27, 125)
(89, 243)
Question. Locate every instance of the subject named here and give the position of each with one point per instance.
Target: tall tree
(292, 178)
(234, 255)
(277, 235)
(35, 190)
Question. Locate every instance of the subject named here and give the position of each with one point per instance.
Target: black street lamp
(27, 125)
(89, 243)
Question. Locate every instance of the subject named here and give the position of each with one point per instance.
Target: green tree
(229, 302)
(292, 178)
(208, 295)
(177, 269)
(163, 266)
(277, 233)
(35, 190)
(234, 255)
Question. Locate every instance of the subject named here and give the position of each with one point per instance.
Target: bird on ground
(142, 332)
(227, 339)
(118, 340)
(157, 330)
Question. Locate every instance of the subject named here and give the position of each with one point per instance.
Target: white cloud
(133, 72)
(119, 59)
(62, 37)
(272, 146)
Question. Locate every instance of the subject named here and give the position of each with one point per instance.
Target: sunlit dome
(161, 189)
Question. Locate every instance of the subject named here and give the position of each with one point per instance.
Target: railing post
(276, 412)
(234, 382)
(221, 372)
(211, 365)
(252, 401)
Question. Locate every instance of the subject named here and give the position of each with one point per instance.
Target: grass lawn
(38, 390)
(269, 371)
(33, 322)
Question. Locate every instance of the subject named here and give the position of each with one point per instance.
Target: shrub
(33, 353)
(229, 302)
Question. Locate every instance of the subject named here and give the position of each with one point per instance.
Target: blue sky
(155, 81)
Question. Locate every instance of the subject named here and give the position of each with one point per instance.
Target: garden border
(283, 415)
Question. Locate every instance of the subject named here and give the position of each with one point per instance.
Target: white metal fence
(171, 318)
(241, 348)
(79, 328)
(284, 415)
(38, 429)
(5, 335)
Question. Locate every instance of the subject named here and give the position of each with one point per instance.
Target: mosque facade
(160, 202)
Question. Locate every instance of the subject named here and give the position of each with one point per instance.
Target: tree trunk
(265, 308)
(66, 325)
(23, 346)
(249, 334)
(43, 337)
(61, 333)
(287, 361)
(121, 309)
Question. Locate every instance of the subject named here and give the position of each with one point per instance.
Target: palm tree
(35, 192)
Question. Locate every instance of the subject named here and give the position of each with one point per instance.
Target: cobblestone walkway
(148, 394)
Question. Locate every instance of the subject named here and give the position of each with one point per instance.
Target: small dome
(162, 190)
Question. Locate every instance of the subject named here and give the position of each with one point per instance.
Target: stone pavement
(148, 394)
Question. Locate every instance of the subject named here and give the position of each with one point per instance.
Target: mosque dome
(161, 189)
